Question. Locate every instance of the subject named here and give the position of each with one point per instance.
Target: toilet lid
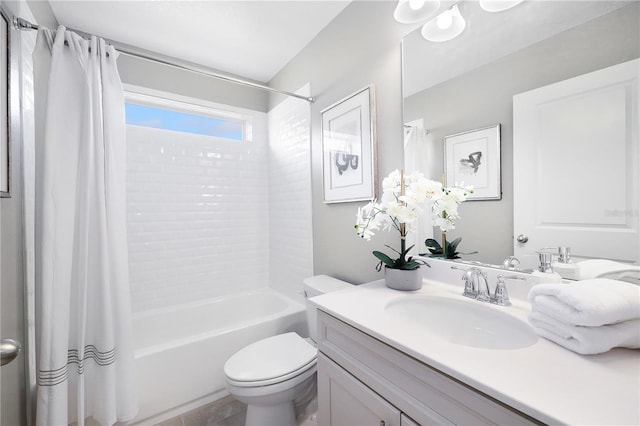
(270, 358)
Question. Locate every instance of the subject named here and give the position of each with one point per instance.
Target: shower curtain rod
(23, 24)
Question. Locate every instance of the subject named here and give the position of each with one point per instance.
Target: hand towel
(594, 268)
(587, 340)
(594, 302)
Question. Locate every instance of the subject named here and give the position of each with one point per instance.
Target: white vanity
(378, 367)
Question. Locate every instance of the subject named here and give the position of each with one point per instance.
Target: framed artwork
(349, 148)
(473, 158)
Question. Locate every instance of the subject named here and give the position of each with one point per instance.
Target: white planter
(403, 279)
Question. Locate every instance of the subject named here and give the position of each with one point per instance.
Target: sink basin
(467, 323)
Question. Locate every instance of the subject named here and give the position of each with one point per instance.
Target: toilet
(271, 374)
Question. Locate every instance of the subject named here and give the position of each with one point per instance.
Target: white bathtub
(181, 351)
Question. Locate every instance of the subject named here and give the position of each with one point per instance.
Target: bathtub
(180, 351)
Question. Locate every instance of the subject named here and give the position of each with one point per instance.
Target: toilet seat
(271, 360)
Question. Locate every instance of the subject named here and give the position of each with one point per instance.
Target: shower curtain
(85, 354)
(417, 159)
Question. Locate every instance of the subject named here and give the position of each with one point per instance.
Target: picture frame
(5, 102)
(472, 158)
(349, 166)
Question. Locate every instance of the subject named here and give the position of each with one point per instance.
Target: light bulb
(445, 20)
(416, 4)
(446, 26)
(414, 11)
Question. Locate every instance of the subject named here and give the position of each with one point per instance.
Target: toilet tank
(315, 286)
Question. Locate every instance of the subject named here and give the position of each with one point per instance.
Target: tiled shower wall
(290, 228)
(197, 214)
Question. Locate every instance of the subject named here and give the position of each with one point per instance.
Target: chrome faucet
(476, 286)
(510, 263)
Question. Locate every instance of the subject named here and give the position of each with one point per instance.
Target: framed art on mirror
(473, 158)
(349, 148)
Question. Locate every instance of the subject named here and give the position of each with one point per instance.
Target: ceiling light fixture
(412, 11)
(416, 4)
(446, 26)
(498, 5)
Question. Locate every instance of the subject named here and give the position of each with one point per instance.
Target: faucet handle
(501, 296)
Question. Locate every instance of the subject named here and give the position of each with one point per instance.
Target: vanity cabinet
(363, 381)
(348, 401)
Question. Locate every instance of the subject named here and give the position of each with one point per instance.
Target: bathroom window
(168, 114)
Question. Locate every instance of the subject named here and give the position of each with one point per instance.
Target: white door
(13, 384)
(12, 375)
(576, 159)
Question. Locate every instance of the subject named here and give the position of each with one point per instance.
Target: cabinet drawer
(423, 393)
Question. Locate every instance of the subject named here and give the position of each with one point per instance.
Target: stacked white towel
(588, 317)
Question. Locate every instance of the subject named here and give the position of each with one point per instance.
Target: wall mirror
(5, 43)
(470, 82)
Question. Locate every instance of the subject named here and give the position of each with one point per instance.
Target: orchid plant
(445, 211)
(404, 199)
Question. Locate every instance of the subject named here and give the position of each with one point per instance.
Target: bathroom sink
(467, 323)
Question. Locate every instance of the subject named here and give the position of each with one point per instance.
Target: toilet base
(274, 405)
(271, 415)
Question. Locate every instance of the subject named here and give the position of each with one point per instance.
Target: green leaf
(388, 246)
(431, 243)
(384, 258)
(453, 244)
(406, 251)
(434, 248)
(411, 265)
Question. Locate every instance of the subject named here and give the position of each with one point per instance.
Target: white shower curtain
(85, 353)
(417, 159)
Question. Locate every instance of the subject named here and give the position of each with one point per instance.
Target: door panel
(576, 164)
(12, 376)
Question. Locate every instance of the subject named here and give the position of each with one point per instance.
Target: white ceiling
(253, 39)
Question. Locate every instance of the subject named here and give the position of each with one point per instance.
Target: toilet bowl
(271, 374)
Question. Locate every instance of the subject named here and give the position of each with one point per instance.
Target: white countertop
(545, 381)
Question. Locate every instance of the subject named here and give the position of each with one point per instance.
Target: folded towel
(587, 340)
(594, 302)
(594, 268)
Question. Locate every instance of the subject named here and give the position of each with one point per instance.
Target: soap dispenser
(545, 271)
(564, 266)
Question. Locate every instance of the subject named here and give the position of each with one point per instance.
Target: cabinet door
(345, 401)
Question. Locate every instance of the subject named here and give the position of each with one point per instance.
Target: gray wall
(163, 77)
(360, 47)
(485, 96)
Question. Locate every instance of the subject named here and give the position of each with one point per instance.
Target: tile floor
(223, 412)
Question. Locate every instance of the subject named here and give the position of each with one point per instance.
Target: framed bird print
(473, 158)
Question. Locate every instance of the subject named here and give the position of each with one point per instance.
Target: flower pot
(403, 279)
